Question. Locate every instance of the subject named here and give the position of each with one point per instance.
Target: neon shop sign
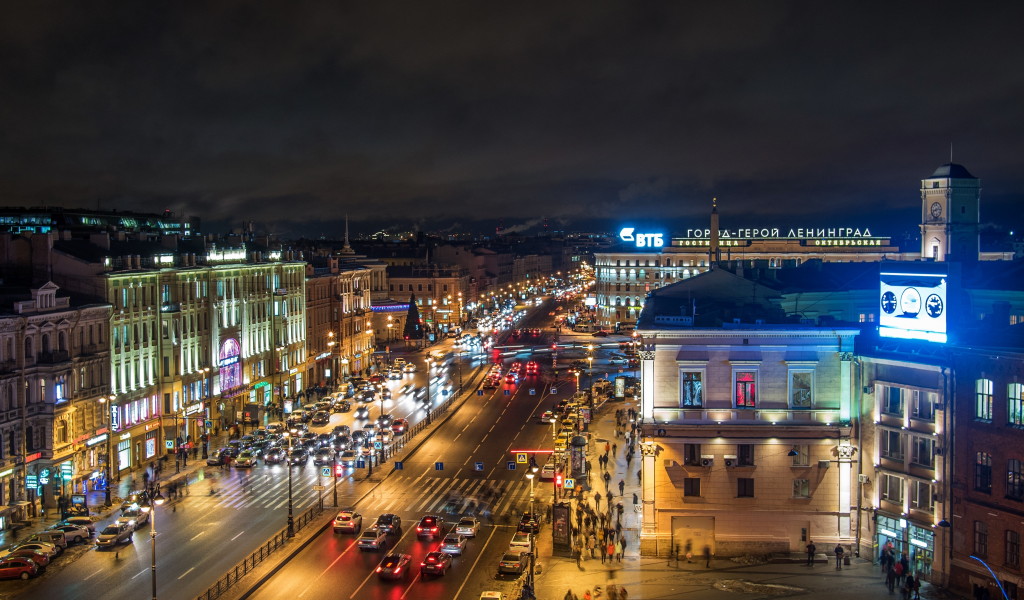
(643, 240)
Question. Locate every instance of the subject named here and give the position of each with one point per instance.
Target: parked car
(529, 524)
(57, 539)
(115, 533)
(348, 521)
(40, 558)
(47, 549)
(435, 563)
(468, 526)
(521, 542)
(74, 533)
(17, 567)
(513, 562)
(372, 539)
(85, 522)
(453, 543)
(389, 523)
(430, 526)
(394, 566)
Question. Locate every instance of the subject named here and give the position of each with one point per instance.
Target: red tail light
(378, 569)
(419, 529)
(433, 528)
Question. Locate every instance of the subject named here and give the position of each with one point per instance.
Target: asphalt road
(203, 535)
(487, 429)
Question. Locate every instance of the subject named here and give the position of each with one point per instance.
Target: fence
(243, 568)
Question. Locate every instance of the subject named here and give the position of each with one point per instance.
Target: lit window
(801, 388)
(983, 400)
(691, 391)
(1015, 404)
(983, 472)
(746, 389)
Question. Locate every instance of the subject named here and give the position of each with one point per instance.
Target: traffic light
(558, 480)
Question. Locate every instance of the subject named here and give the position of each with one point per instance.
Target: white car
(136, 517)
(547, 471)
(468, 526)
(409, 368)
(73, 533)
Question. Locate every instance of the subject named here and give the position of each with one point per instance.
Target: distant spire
(347, 249)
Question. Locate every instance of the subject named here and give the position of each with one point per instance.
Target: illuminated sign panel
(642, 240)
(912, 300)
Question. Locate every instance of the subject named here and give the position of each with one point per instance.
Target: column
(648, 449)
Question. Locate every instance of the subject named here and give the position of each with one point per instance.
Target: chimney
(100, 239)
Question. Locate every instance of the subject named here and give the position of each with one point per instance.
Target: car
(547, 471)
(57, 539)
(324, 439)
(532, 368)
(136, 517)
(137, 497)
(48, 549)
(513, 562)
(17, 567)
(389, 523)
(399, 363)
(521, 542)
(435, 563)
(298, 456)
(115, 533)
(341, 430)
(409, 368)
(468, 526)
(341, 443)
(394, 566)
(276, 427)
(362, 413)
(547, 415)
(529, 524)
(420, 393)
(384, 421)
(493, 596)
(342, 406)
(246, 459)
(492, 382)
(359, 435)
(348, 521)
(348, 458)
(85, 522)
(599, 334)
(453, 543)
(41, 559)
(275, 456)
(74, 533)
(372, 538)
(321, 418)
(511, 378)
(307, 436)
(323, 456)
(430, 526)
(395, 374)
(383, 436)
(399, 426)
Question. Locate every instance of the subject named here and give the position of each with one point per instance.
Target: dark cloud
(430, 114)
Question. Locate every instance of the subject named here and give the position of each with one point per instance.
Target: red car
(14, 567)
(532, 368)
(399, 426)
(39, 558)
(600, 334)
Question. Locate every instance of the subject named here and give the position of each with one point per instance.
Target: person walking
(618, 550)
(615, 450)
(597, 500)
(623, 595)
(600, 543)
(688, 549)
(811, 549)
(890, 579)
(917, 588)
(611, 550)
(707, 556)
(622, 486)
(908, 587)
(607, 480)
(839, 557)
(898, 569)
(636, 499)
(640, 476)
(905, 563)
(607, 448)
(608, 497)
(568, 595)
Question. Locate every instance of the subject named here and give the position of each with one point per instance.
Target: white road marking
(477, 448)
(187, 572)
(410, 586)
(236, 537)
(473, 568)
(94, 574)
(197, 535)
(143, 571)
(327, 569)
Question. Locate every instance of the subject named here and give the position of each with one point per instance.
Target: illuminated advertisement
(912, 301)
(642, 240)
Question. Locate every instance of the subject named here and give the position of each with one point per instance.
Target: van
(51, 537)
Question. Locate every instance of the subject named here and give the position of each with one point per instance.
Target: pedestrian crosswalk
(245, 489)
(451, 495)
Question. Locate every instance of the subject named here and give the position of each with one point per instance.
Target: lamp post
(428, 391)
(291, 519)
(157, 500)
(334, 474)
(530, 477)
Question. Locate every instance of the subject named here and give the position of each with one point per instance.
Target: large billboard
(912, 300)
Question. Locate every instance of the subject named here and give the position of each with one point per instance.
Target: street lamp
(157, 500)
(291, 520)
(428, 391)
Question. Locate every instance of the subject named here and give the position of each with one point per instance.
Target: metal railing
(231, 578)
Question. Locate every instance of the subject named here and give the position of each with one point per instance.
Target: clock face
(936, 210)
(888, 303)
(910, 302)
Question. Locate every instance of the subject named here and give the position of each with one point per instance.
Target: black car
(321, 418)
(341, 430)
(341, 443)
(217, 457)
(529, 524)
(435, 563)
(431, 526)
(324, 439)
(298, 456)
(389, 523)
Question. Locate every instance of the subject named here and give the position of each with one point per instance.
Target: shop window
(890, 444)
(802, 457)
(744, 487)
(691, 392)
(891, 488)
(801, 488)
(1015, 404)
(1012, 549)
(801, 389)
(746, 389)
(691, 486)
(1014, 480)
(983, 400)
(983, 472)
(921, 496)
(980, 539)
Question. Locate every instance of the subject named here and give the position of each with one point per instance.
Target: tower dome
(952, 171)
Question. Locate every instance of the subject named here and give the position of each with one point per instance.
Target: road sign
(554, 390)
(169, 444)
(398, 465)
(378, 445)
(533, 392)
(439, 466)
(360, 464)
(511, 465)
(570, 484)
(506, 392)
(325, 471)
(521, 458)
(479, 392)
(478, 466)
(319, 488)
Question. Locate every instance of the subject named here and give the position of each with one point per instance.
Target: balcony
(8, 366)
(52, 358)
(765, 416)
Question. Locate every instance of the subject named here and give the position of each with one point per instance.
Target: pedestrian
(622, 594)
(597, 500)
(622, 540)
(578, 551)
(613, 594)
(908, 587)
(639, 476)
(629, 458)
(618, 550)
(636, 500)
(811, 549)
(688, 549)
(615, 450)
(905, 564)
(898, 568)
(608, 496)
(568, 595)
(592, 544)
(839, 557)
(707, 556)
(890, 579)
(607, 480)
(607, 448)
(917, 588)
(601, 546)
(586, 595)
(611, 550)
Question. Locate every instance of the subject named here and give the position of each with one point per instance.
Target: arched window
(618, 301)
(230, 370)
(46, 342)
(61, 343)
(28, 347)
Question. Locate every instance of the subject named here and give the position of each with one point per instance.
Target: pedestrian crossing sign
(325, 472)
(378, 445)
(478, 466)
(511, 465)
(570, 484)
(521, 458)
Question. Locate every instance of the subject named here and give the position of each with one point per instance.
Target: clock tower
(950, 215)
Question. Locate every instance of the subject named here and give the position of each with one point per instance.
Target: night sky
(454, 115)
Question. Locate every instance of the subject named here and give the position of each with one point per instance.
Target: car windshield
(110, 530)
(466, 522)
(390, 561)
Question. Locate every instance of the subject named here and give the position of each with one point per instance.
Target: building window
(924, 406)
(801, 388)
(983, 400)
(691, 389)
(922, 451)
(801, 488)
(891, 444)
(980, 539)
(983, 472)
(1015, 404)
(891, 488)
(745, 455)
(893, 401)
(921, 496)
(744, 487)
(691, 486)
(802, 457)
(746, 389)
(1012, 549)
(1014, 480)
(691, 454)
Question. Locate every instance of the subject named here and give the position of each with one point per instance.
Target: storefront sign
(918, 543)
(643, 240)
(6, 473)
(227, 362)
(32, 457)
(96, 440)
(293, 371)
(261, 384)
(323, 355)
(194, 408)
(126, 436)
(891, 534)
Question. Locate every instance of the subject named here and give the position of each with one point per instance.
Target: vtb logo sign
(643, 240)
